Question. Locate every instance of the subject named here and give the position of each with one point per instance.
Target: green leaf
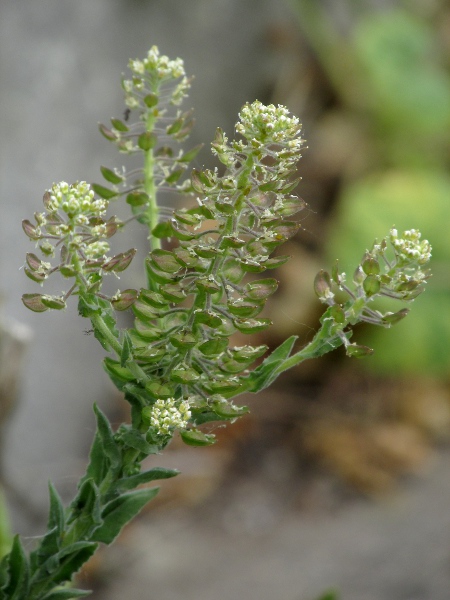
(51, 542)
(127, 347)
(66, 563)
(263, 375)
(18, 584)
(130, 483)
(85, 507)
(134, 439)
(120, 511)
(98, 462)
(107, 437)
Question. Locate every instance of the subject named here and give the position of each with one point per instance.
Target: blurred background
(340, 475)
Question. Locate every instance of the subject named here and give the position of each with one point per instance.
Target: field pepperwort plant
(204, 281)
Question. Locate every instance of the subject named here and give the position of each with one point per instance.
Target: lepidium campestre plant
(204, 280)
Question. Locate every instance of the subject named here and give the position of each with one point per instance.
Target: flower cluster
(168, 414)
(273, 124)
(409, 248)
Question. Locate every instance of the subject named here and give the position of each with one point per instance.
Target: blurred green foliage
(388, 70)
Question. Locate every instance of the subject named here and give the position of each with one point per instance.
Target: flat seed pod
(144, 311)
(137, 198)
(113, 368)
(150, 334)
(172, 293)
(207, 317)
(208, 285)
(165, 261)
(221, 386)
(371, 285)
(149, 355)
(261, 289)
(233, 271)
(184, 376)
(153, 299)
(277, 261)
(34, 302)
(30, 230)
(111, 175)
(119, 125)
(250, 265)
(157, 275)
(229, 411)
(37, 276)
(248, 353)
(124, 300)
(104, 192)
(214, 347)
(186, 259)
(194, 437)
(241, 308)
(183, 339)
(158, 390)
(251, 325)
